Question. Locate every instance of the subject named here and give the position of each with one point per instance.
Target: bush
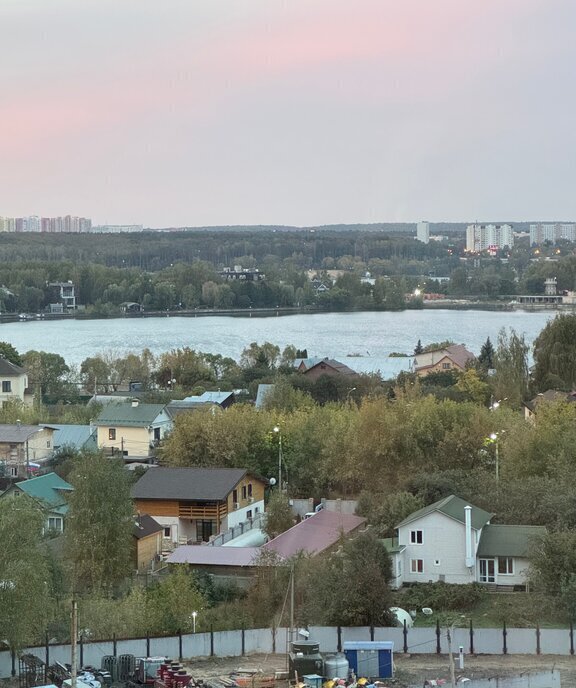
(442, 597)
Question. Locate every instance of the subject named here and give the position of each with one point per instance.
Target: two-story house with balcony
(132, 430)
(193, 504)
(24, 447)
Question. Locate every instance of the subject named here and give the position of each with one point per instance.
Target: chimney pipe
(468, 526)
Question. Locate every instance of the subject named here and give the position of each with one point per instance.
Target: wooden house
(193, 504)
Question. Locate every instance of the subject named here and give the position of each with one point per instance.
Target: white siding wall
(444, 542)
(520, 568)
(240, 515)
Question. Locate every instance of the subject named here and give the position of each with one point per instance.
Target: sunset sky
(300, 112)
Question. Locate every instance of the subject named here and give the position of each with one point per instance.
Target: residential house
(14, 383)
(50, 491)
(131, 307)
(326, 366)
(23, 448)
(75, 437)
(318, 533)
(62, 294)
(131, 429)
(193, 504)
(550, 395)
(453, 358)
(454, 542)
(147, 537)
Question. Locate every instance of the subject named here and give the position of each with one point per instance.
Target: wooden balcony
(214, 512)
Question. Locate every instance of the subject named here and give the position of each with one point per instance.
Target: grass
(519, 609)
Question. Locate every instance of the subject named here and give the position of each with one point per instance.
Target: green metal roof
(507, 541)
(50, 489)
(452, 507)
(129, 415)
(392, 546)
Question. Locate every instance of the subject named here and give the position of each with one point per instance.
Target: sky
(297, 112)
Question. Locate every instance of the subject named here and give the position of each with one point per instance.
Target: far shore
(440, 304)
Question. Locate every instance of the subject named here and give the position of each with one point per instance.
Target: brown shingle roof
(332, 363)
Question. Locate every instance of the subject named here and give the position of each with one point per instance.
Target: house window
(205, 530)
(436, 562)
(417, 565)
(249, 514)
(47, 444)
(446, 366)
(167, 531)
(416, 537)
(111, 433)
(243, 491)
(505, 566)
(55, 524)
(6, 386)
(257, 510)
(14, 473)
(249, 489)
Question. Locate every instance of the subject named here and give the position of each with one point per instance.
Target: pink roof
(314, 534)
(206, 555)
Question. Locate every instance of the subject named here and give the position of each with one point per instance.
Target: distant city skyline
(305, 113)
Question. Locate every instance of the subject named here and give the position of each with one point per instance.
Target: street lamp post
(494, 438)
(277, 430)
(194, 615)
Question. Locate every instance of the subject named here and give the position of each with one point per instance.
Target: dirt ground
(410, 670)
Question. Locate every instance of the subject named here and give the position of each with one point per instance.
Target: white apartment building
(482, 237)
(540, 232)
(423, 232)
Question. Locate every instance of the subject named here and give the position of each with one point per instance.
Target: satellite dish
(427, 611)
(272, 481)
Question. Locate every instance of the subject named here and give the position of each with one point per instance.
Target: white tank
(336, 666)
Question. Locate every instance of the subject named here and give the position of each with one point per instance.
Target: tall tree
(555, 354)
(24, 591)
(486, 357)
(278, 515)
(98, 535)
(512, 373)
(46, 371)
(418, 349)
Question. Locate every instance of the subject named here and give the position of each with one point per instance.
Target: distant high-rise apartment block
(541, 232)
(423, 232)
(483, 237)
(55, 225)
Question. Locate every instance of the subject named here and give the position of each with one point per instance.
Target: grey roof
(194, 484)
(331, 363)
(453, 507)
(210, 397)
(18, 433)
(262, 393)
(550, 395)
(129, 415)
(8, 369)
(75, 436)
(507, 541)
(214, 556)
(178, 407)
(144, 526)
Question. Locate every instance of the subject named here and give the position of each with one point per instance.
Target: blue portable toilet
(370, 658)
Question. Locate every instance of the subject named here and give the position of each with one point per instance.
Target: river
(373, 335)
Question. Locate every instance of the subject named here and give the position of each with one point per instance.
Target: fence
(257, 521)
(430, 640)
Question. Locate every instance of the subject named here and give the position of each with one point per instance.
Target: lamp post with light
(194, 615)
(279, 432)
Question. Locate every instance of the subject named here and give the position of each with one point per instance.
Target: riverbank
(448, 304)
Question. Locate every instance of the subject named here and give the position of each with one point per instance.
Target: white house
(454, 542)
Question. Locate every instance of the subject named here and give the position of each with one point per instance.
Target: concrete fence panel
(327, 636)
(422, 640)
(555, 641)
(521, 641)
(359, 633)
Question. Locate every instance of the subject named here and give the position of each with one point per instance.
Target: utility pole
(74, 640)
(450, 656)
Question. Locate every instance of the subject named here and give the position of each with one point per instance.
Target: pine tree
(419, 348)
(486, 357)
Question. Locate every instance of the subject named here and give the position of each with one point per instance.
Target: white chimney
(135, 403)
(468, 526)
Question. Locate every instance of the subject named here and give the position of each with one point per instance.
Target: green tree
(279, 515)
(511, 379)
(487, 355)
(46, 371)
(24, 589)
(418, 349)
(8, 352)
(98, 535)
(354, 589)
(385, 512)
(555, 354)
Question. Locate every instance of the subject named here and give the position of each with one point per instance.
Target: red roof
(315, 534)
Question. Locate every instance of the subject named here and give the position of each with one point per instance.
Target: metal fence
(431, 640)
